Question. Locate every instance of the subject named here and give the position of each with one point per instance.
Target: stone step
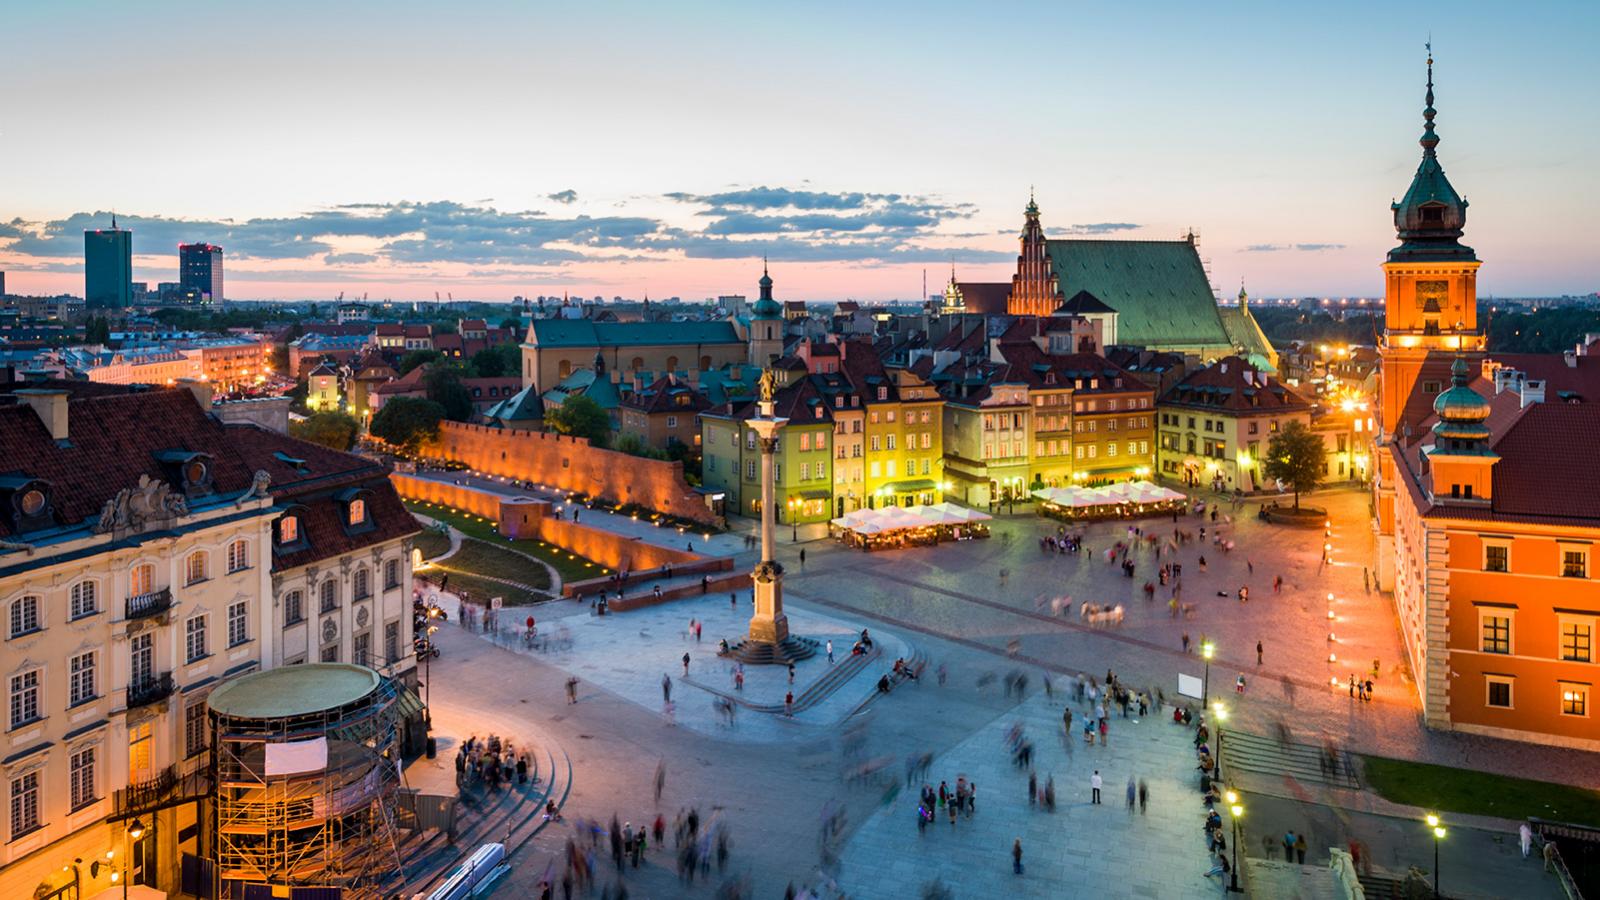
(1267, 756)
(1278, 880)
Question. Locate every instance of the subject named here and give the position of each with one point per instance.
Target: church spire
(1430, 140)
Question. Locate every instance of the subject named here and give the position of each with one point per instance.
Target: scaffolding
(328, 822)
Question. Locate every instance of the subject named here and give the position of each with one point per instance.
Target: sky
(486, 150)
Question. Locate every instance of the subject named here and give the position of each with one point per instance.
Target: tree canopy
(580, 416)
(407, 422)
(414, 358)
(501, 360)
(335, 430)
(1295, 456)
(443, 386)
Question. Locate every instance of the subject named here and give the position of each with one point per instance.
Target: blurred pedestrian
(1016, 856)
(1094, 787)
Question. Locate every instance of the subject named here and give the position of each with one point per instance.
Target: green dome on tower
(766, 307)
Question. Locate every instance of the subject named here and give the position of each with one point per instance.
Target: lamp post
(1237, 809)
(427, 673)
(1438, 835)
(1206, 650)
(134, 833)
(1222, 716)
(794, 524)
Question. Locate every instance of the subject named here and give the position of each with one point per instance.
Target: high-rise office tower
(200, 269)
(108, 266)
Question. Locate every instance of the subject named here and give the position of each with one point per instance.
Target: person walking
(1288, 845)
(802, 557)
(1258, 651)
(1016, 856)
(1144, 796)
(791, 673)
(1094, 787)
(1185, 641)
(1525, 836)
(1033, 788)
(1239, 684)
(572, 690)
(686, 664)
(788, 704)
(1133, 793)
(1300, 848)
(733, 602)
(830, 651)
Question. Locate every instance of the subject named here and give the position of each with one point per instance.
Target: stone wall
(571, 464)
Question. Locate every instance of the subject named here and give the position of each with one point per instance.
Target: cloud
(349, 259)
(1099, 228)
(785, 224)
(1278, 248)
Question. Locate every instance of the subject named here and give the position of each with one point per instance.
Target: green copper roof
(1245, 332)
(585, 333)
(1158, 288)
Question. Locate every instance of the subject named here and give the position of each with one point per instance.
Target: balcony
(152, 689)
(166, 789)
(153, 603)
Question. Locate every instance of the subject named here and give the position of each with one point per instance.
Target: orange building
(1488, 514)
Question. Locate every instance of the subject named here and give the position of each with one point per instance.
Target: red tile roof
(1232, 384)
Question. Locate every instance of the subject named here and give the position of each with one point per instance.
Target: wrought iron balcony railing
(148, 690)
(152, 603)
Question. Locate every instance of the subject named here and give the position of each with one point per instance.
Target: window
(238, 619)
(1499, 691)
(1574, 564)
(805, 471)
(391, 641)
(1577, 639)
(141, 579)
(672, 421)
(330, 654)
(80, 686)
(1111, 449)
(24, 804)
(362, 588)
(330, 595)
(194, 568)
(362, 653)
(293, 609)
(24, 698)
(85, 601)
(1496, 630)
(821, 441)
(81, 782)
(876, 444)
(749, 469)
(238, 556)
(391, 574)
(288, 529)
(194, 728)
(1496, 558)
(358, 511)
(141, 659)
(24, 616)
(1574, 699)
(194, 639)
(891, 442)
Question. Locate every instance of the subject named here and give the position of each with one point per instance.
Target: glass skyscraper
(200, 269)
(108, 267)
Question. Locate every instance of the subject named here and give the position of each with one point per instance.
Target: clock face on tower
(1433, 295)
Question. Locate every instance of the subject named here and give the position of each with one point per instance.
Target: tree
(407, 422)
(512, 325)
(580, 416)
(443, 386)
(418, 357)
(335, 430)
(1295, 456)
(501, 360)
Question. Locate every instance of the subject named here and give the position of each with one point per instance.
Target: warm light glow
(1233, 797)
(1433, 820)
(1237, 810)
(1438, 833)
(1207, 649)
(1221, 711)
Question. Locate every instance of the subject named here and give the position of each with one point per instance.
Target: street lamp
(1237, 809)
(1222, 716)
(1438, 835)
(1206, 650)
(794, 525)
(135, 832)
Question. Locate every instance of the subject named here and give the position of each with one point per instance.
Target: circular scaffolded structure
(306, 763)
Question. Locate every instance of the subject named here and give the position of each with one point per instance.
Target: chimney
(50, 405)
(1570, 357)
(200, 389)
(1532, 392)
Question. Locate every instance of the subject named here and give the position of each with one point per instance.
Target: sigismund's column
(769, 625)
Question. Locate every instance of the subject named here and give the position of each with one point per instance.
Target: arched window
(25, 618)
(194, 567)
(141, 579)
(85, 599)
(362, 588)
(238, 556)
(330, 595)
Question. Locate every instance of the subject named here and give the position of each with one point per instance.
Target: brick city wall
(521, 518)
(571, 464)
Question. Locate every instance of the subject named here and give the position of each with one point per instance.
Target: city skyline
(493, 165)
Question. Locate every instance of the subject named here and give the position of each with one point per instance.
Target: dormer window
(288, 529)
(25, 503)
(358, 512)
(1432, 215)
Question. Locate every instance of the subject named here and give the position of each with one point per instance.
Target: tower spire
(1430, 140)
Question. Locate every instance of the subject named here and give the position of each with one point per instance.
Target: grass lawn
(481, 589)
(432, 543)
(483, 558)
(1444, 789)
(570, 566)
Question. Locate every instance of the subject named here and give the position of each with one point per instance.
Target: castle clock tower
(1430, 314)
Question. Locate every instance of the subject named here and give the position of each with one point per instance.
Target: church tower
(766, 325)
(1430, 310)
(1035, 290)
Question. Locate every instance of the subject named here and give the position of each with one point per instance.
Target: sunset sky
(495, 149)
